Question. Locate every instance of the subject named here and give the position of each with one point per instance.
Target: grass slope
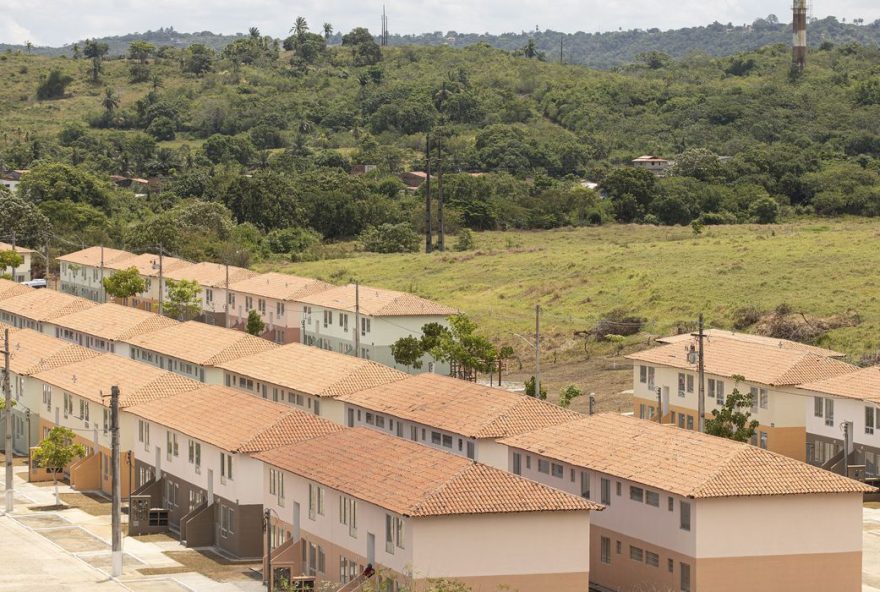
(663, 274)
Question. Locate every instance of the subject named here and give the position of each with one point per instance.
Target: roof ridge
(262, 430)
(431, 494)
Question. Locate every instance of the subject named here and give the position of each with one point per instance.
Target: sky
(57, 22)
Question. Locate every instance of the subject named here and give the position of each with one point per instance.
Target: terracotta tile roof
(377, 302)
(756, 362)
(198, 343)
(415, 480)
(279, 286)
(313, 371)
(91, 257)
(44, 305)
(8, 289)
(233, 420)
(863, 384)
(757, 340)
(461, 407)
(113, 322)
(147, 264)
(138, 383)
(19, 248)
(211, 275)
(33, 352)
(679, 461)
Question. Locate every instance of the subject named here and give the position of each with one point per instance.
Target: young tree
(110, 101)
(75, 50)
(124, 284)
(732, 420)
(328, 31)
(255, 324)
(184, 299)
(95, 51)
(567, 395)
(530, 388)
(10, 260)
(56, 452)
(408, 351)
(140, 51)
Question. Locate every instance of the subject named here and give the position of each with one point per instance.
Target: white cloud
(61, 21)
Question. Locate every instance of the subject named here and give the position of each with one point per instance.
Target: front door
(350, 417)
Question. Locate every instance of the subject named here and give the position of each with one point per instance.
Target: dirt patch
(786, 323)
(74, 539)
(37, 521)
(158, 537)
(90, 503)
(207, 563)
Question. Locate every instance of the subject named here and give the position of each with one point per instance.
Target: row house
(106, 327)
(194, 349)
(23, 272)
(306, 377)
(82, 272)
(365, 322)
(690, 512)
(276, 298)
(151, 268)
(77, 396)
(35, 308)
(844, 411)
(214, 280)
(193, 458)
(30, 354)
(666, 381)
(461, 417)
(356, 497)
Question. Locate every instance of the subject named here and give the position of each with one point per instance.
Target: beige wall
(779, 525)
(509, 545)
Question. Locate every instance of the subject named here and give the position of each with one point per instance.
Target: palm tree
(300, 27)
(529, 50)
(328, 31)
(75, 51)
(157, 82)
(110, 100)
(305, 126)
(254, 32)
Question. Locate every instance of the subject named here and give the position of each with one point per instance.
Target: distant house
(655, 164)
(413, 179)
(132, 182)
(22, 273)
(215, 280)
(362, 169)
(11, 179)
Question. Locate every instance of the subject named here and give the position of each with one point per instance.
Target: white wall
(851, 410)
(505, 544)
(779, 525)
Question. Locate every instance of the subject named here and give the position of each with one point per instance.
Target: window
(106, 420)
(544, 466)
(209, 295)
(719, 392)
(261, 305)
(47, 396)
(636, 554)
(636, 494)
(394, 532)
(231, 299)
(869, 420)
(370, 419)
(365, 326)
(556, 470)
(818, 406)
(681, 418)
(690, 422)
(471, 450)
(585, 484)
(447, 441)
(670, 565)
(414, 433)
(619, 488)
(279, 309)
(690, 383)
(348, 514)
(225, 467)
(380, 421)
(83, 410)
(328, 317)
(227, 517)
(652, 559)
(764, 440)
(829, 412)
(605, 491)
(517, 463)
(168, 445)
(435, 438)
(755, 395)
(764, 398)
(605, 550)
(681, 384)
(651, 378)
(685, 577)
(652, 498)
(685, 518)
(710, 388)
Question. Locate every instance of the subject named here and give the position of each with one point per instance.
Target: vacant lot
(665, 275)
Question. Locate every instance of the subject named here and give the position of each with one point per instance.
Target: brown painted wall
(247, 529)
(85, 475)
(837, 572)
(627, 575)
(199, 530)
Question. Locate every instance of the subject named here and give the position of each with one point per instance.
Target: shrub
(53, 86)
(390, 238)
(465, 240)
(162, 128)
(765, 210)
(292, 240)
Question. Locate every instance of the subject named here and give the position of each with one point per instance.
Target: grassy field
(665, 275)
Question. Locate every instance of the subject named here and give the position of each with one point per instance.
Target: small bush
(292, 240)
(390, 238)
(53, 86)
(465, 240)
(745, 317)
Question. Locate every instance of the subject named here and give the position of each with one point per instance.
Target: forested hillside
(249, 150)
(604, 50)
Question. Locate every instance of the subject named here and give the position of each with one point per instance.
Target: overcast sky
(56, 22)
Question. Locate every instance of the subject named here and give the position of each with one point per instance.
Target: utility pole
(267, 516)
(103, 292)
(537, 351)
(161, 287)
(846, 436)
(561, 41)
(428, 234)
(7, 412)
(441, 229)
(357, 320)
(226, 306)
(116, 569)
(701, 405)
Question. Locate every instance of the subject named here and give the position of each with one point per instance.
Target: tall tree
(56, 452)
(75, 50)
(254, 33)
(28, 46)
(124, 284)
(300, 27)
(140, 51)
(184, 301)
(110, 101)
(9, 260)
(328, 31)
(95, 51)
